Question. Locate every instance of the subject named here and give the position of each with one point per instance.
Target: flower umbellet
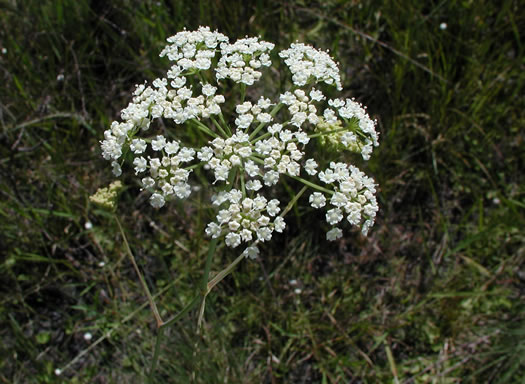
(247, 149)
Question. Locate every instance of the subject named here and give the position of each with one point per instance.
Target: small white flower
(273, 207)
(310, 167)
(148, 182)
(157, 200)
(138, 146)
(302, 137)
(264, 234)
(243, 108)
(140, 164)
(186, 154)
(327, 176)
(316, 95)
(235, 160)
(253, 185)
(293, 168)
(264, 117)
(317, 200)
(224, 216)
(275, 128)
(285, 135)
(88, 336)
(244, 121)
(339, 199)
(213, 230)
(208, 90)
(263, 221)
(246, 235)
(233, 240)
(288, 98)
(271, 178)
(158, 143)
(205, 154)
(178, 82)
(251, 168)
(334, 234)
(167, 189)
(154, 164)
(88, 225)
(334, 216)
(279, 224)
(443, 26)
(58, 371)
(260, 203)
(235, 196)
(264, 103)
(251, 252)
(172, 147)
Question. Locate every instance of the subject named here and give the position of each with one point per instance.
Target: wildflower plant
(249, 145)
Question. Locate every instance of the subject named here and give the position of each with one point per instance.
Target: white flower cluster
(252, 147)
(306, 62)
(279, 153)
(223, 155)
(193, 50)
(353, 195)
(249, 113)
(241, 60)
(245, 219)
(154, 102)
(166, 176)
(365, 136)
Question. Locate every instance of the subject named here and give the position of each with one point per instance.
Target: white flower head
(243, 144)
(240, 61)
(306, 63)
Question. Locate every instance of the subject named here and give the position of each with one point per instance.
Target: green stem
(312, 185)
(243, 92)
(327, 133)
(293, 201)
(260, 126)
(207, 266)
(219, 128)
(160, 334)
(194, 166)
(205, 276)
(262, 137)
(276, 109)
(152, 304)
(222, 274)
(254, 157)
(204, 128)
(223, 121)
(184, 310)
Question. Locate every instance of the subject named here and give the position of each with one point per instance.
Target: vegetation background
(435, 293)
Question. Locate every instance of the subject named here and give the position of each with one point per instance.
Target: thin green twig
(152, 304)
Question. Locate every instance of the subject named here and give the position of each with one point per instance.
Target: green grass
(433, 295)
